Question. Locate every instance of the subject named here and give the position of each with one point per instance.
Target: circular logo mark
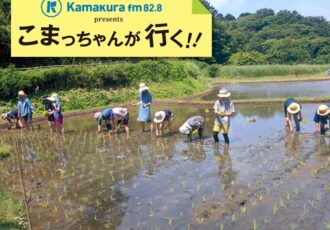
(51, 8)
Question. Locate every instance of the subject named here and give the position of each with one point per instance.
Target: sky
(304, 7)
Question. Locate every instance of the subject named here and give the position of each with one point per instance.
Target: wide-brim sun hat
(3, 116)
(143, 87)
(21, 93)
(51, 98)
(159, 117)
(323, 110)
(98, 115)
(223, 93)
(185, 128)
(294, 108)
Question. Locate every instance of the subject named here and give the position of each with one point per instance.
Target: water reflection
(273, 90)
(226, 173)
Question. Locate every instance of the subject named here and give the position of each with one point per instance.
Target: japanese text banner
(110, 28)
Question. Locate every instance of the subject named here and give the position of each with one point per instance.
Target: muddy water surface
(273, 90)
(268, 178)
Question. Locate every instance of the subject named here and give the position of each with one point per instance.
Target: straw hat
(159, 117)
(98, 115)
(223, 93)
(294, 108)
(21, 93)
(185, 128)
(51, 98)
(3, 116)
(143, 87)
(323, 110)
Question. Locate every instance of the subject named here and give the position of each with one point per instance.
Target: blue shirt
(287, 103)
(59, 112)
(145, 97)
(13, 114)
(168, 114)
(25, 107)
(107, 114)
(321, 119)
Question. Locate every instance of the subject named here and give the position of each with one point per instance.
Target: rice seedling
(312, 203)
(327, 225)
(282, 203)
(275, 209)
(255, 226)
(233, 218)
(243, 209)
(293, 226)
(287, 196)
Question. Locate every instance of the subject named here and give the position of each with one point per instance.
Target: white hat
(21, 93)
(143, 87)
(223, 93)
(98, 115)
(323, 110)
(185, 128)
(294, 108)
(51, 98)
(3, 116)
(159, 117)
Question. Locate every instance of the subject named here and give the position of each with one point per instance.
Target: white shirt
(119, 113)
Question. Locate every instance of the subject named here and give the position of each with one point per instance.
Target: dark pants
(297, 122)
(322, 128)
(216, 137)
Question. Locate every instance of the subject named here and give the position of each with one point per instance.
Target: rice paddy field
(269, 178)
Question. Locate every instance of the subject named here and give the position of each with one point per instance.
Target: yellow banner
(110, 28)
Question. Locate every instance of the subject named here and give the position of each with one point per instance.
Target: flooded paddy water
(274, 90)
(266, 176)
(267, 179)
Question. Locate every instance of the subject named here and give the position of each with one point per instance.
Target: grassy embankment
(85, 87)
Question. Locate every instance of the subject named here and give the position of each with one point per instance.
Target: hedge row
(112, 75)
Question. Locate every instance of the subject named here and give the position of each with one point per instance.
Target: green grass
(5, 151)
(258, 71)
(197, 78)
(79, 99)
(10, 212)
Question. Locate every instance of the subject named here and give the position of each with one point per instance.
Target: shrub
(214, 70)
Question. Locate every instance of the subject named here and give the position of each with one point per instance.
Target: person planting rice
(145, 100)
(12, 118)
(107, 116)
(292, 109)
(162, 117)
(25, 110)
(56, 112)
(321, 117)
(191, 125)
(223, 109)
(48, 105)
(122, 117)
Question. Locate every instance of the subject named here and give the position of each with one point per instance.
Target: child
(160, 118)
(48, 114)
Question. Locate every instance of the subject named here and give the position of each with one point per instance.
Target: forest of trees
(264, 37)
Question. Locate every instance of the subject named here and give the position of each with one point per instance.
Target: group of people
(114, 118)
(224, 109)
(117, 118)
(22, 116)
(292, 111)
